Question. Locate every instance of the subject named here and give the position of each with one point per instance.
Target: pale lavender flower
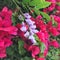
(33, 26)
(23, 24)
(23, 28)
(27, 15)
(29, 21)
(20, 17)
(31, 37)
(31, 32)
(26, 34)
(35, 31)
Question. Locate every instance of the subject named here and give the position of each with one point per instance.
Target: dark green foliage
(7, 3)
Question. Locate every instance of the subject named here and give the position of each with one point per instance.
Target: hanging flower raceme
(28, 28)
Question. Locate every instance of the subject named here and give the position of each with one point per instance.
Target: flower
(53, 1)
(54, 43)
(54, 31)
(6, 22)
(57, 19)
(58, 0)
(7, 31)
(28, 29)
(52, 7)
(35, 50)
(42, 36)
(27, 15)
(45, 52)
(31, 37)
(4, 43)
(58, 7)
(2, 52)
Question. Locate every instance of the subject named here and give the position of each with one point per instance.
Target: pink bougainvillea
(6, 30)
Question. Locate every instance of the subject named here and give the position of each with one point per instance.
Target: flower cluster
(6, 30)
(34, 32)
(53, 6)
(32, 26)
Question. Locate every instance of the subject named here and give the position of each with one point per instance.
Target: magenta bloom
(7, 30)
(55, 44)
(35, 50)
(3, 44)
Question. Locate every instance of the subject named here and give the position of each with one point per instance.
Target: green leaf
(34, 2)
(10, 51)
(36, 11)
(22, 51)
(42, 47)
(26, 1)
(39, 4)
(43, 5)
(37, 39)
(54, 22)
(14, 18)
(45, 15)
(27, 58)
(58, 3)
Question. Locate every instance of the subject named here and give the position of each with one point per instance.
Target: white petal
(20, 17)
(29, 21)
(35, 31)
(23, 23)
(33, 26)
(32, 39)
(23, 29)
(26, 34)
(31, 32)
(27, 15)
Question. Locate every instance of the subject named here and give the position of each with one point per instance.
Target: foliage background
(7, 3)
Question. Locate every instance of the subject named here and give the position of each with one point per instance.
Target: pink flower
(58, 27)
(52, 7)
(6, 22)
(43, 36)
(7, 42)
(4, 43)
(35, 50)
(21, 34)
(58, 0)
(45, 52)
(2, 52)
(2, 49)
(57, 13)
(6, 12)
(11, 30)
(54, 31)
(49, 24)
(54, 43)
(57, 19)
(58, 7)
(39, 17)
(53, 1)
(7, 31)
(45, 10)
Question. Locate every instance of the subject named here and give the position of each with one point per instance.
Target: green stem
(18, 8)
